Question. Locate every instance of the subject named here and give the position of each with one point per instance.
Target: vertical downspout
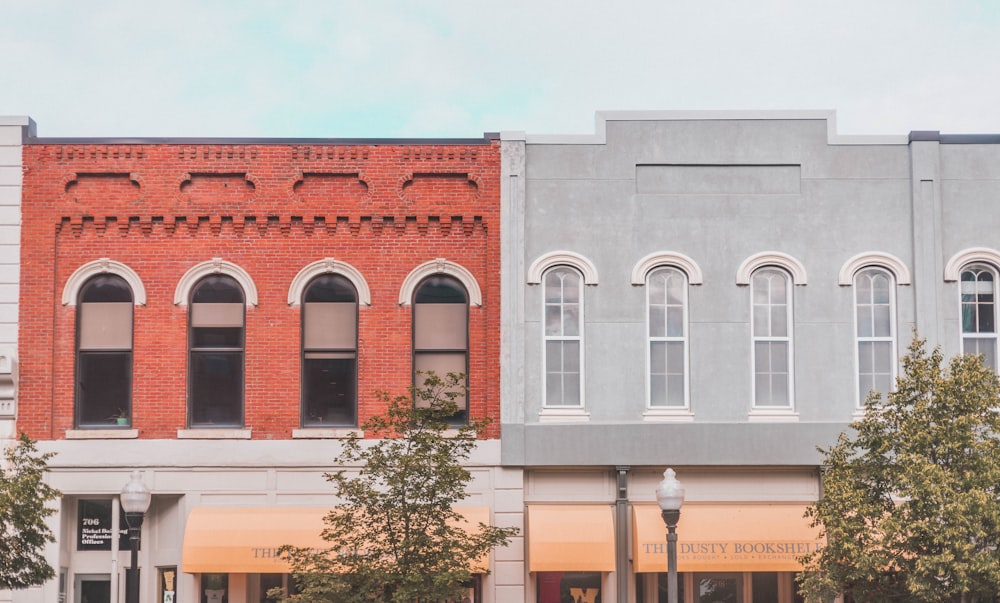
(621, 533)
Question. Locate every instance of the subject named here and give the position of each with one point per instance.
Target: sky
(443, 68)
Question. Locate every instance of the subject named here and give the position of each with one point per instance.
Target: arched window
(772, 338)
(441, 333)
(216, 339)
(104, 352)
(874, 304)
(979, 312)
(329, 352)
(668, 353)
(563, 337)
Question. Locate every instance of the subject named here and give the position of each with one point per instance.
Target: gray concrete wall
(720, 188)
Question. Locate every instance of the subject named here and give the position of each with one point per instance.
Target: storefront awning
(244, 540)
(577, 538)
(749, 537)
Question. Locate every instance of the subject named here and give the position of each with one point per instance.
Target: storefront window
(215, 588)
(167, 585)
(765, 587)
(569, 587)
(720, 587)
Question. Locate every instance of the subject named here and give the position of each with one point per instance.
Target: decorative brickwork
(271, 210)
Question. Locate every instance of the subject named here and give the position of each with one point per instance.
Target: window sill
(213, 434)
(775, 415)
(681, 415)
(325, 433)
(102, 434)
(563, 415)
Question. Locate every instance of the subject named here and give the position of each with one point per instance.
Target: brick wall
(271, 209)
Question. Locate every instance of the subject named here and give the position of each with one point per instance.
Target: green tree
(911, 499)
(396, 536)
(23, 508)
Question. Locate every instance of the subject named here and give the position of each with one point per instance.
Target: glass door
(92, 588)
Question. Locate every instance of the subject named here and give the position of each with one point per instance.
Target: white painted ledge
(208, 433)
(102, 434)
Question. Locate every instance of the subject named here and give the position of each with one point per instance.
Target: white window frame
(982, 267)
(789, 339)
(891, 338)
(546, 338)
(684, 339)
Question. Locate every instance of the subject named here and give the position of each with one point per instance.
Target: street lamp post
(670, 497)
(135, 500)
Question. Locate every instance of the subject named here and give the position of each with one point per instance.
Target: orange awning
(244, 540)
(577, 538)
(754, 537)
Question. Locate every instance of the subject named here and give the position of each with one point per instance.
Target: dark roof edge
(488, 138)
(935, 136)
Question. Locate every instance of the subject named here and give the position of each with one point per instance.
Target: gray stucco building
(718, 292)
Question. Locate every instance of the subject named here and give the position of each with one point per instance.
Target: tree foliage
(911, 500)
(24, 498)
(396, 536)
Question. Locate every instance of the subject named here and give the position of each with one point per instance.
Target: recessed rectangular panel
(717, 179)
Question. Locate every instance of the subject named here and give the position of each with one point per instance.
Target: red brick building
(271, 210)
(177, 298)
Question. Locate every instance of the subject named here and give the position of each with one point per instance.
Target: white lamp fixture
(670, 497)
(135, 499)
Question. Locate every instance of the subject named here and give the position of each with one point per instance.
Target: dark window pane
(329, 388)
(215, 366)
(104, 386)
(216, 390)
(217, 337)
(440, 333)
(217, 289)
(440, 290)
(331, 288)
(986, 318)
(106, 288)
